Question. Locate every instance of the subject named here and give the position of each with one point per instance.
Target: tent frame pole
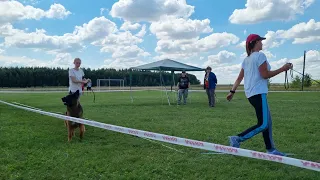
(130, 75)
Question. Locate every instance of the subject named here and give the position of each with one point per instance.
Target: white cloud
(33, 2)
(128, 52)
(61, 60)
(189, 48)
(312, 65)
(95, 29)
(127, 25)
(178, 36)
(269, 10)
(1, 51)
(118, 39)
(217, 40)
(121, 63)
(306, 40)
(122, 45)
(142, 32)
(102, 10)
(272, 40)
(303, 32)
(136, 10)
(39, 40)
(176, 46)
(175, 56)
(243, 55)
(226, 74)
(57, 11)
(11, 11)
(222, 58)
(7, 61)
(268, 54)
(180, 28)
(242, 45)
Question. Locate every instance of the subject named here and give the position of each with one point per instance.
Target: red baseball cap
(253, 37)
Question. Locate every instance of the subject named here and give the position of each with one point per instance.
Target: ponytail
(250, 46)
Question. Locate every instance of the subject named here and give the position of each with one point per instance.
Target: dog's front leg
(70, 132)
(66, 121)
(82, 129)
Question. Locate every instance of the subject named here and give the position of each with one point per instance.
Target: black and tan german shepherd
(74, 109)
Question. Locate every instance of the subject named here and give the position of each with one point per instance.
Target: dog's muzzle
(64, 100)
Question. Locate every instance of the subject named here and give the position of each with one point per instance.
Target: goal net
(110, 84)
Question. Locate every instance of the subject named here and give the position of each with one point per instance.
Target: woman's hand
(85, 81)
(286, 67)
(230, 96)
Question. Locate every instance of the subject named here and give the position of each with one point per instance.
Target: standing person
(183, 86)
(76, 77)
(210, 82)
(256, 72)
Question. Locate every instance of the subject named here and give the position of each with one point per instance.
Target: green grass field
(34, 146)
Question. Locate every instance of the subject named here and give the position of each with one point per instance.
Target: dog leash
(286, 83)
(302, 75)
(94, 96)
(286, 79)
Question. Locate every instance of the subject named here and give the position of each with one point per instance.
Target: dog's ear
(77, 92)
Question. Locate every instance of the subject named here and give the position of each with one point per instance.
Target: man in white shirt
(76, 77)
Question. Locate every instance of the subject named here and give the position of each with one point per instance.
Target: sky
(126, 33)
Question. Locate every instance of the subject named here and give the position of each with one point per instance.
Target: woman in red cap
(256, 72)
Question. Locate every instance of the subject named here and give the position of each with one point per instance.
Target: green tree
(307, 82)
(296, 82)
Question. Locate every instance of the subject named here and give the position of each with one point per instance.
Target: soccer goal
(110, 84)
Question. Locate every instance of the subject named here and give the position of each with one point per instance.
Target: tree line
(307, 81)
(45, 76)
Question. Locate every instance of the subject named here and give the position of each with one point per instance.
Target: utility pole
(304, 63)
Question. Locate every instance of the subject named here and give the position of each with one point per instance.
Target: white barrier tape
(184, 142)
(162, 145)
(26, 105)
(34, 107)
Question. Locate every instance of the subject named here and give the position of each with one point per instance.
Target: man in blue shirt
(210, 82)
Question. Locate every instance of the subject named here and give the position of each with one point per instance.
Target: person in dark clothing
(183, 86)
(210, 82)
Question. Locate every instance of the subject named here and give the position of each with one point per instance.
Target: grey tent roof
(167, 65)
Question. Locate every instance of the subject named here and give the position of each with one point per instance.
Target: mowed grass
(34, 146)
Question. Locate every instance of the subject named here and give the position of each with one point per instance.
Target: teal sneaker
(276, 152)
(234, 141)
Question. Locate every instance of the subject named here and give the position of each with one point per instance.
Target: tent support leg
(161, 88)
(166, 91)
(130, 86)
